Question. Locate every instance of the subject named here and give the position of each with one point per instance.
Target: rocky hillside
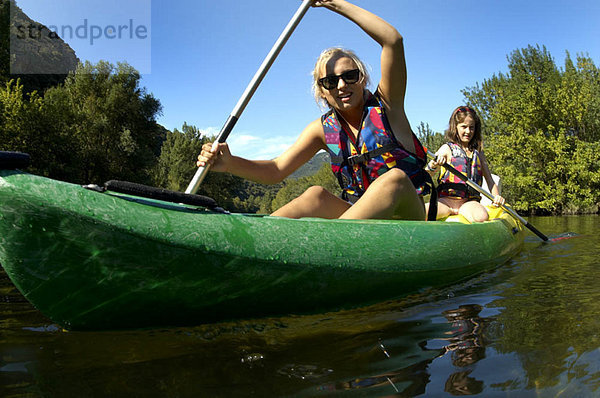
(29, 50)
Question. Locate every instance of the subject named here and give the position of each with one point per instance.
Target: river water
(530, 328)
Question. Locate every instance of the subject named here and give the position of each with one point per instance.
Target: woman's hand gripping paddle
(252, 86)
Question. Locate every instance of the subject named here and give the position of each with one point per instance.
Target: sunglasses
(331, 82)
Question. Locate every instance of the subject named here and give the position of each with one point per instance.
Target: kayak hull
(96, 261)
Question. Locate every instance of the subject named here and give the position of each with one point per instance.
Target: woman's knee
(315, 193)
(395, 179)
(305, 204)
(315, 198)
(316, 201)
(397, 175)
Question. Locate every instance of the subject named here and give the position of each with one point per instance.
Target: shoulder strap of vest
(371, 101)
(365, 157)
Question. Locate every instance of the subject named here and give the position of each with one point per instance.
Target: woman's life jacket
(451, 186)
(358, 162)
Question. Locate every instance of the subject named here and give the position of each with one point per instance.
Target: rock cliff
(30, 51)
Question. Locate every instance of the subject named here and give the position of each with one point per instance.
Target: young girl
(464, 152)
(374, 153)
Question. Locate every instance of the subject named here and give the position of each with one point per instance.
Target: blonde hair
(326, 56)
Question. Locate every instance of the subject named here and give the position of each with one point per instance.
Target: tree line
(542, 131)
(541, 126)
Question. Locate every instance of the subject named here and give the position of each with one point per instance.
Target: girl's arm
(495, 191)
(443, 155)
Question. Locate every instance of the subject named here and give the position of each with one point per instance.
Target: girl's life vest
(451, 186)
(357, 162)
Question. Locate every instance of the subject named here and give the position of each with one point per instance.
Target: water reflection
(464, 341)
(531, 328)
(416, 376)
(466, 346)
(550, 313)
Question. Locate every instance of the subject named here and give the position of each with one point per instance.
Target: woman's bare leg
(314, 202)
(390, 196)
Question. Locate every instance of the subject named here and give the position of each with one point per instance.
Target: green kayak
(93, 260)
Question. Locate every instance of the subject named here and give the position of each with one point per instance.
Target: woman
(383, 182)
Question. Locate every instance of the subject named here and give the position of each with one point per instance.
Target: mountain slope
(30, 51)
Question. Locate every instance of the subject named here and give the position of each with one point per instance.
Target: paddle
(485, 193)
(252, 86)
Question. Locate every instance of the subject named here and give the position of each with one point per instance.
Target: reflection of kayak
(92, 260)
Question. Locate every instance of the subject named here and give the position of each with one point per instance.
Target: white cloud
(254, 147)
(243, 139)
(208, 131)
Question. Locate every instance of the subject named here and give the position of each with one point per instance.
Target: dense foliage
(542, 131)
(98, 125)
(431, 140)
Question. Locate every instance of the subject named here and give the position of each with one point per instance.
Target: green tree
(110, 121)
(28, 124)
(541, 131)
(98, 125)
(430, 139)
(175, 166)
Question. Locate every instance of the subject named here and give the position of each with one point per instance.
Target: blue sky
(199, 55)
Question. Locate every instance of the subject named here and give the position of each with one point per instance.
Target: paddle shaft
(252, 86)
(488, 195)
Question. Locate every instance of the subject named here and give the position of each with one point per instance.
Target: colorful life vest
(358, 162)
(451, 186)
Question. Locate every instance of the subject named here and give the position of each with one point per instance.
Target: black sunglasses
(331, 82)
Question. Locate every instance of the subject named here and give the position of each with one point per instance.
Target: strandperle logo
(84, 31)
(52, 37)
